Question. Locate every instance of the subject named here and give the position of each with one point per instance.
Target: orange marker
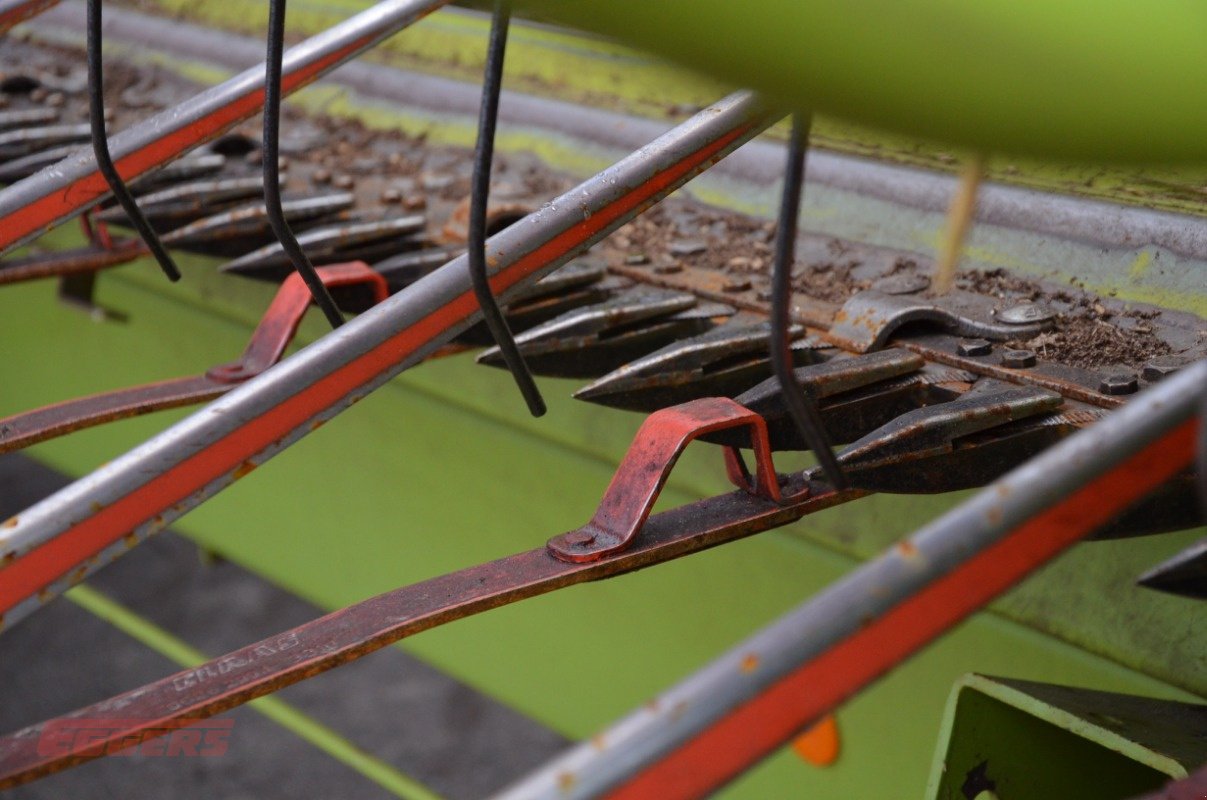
(820, 745)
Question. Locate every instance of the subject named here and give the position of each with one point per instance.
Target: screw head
(1160, 367)
(1026, 314)
(975, 347)
(1119, 384)
(1018, 359)
(902, 284)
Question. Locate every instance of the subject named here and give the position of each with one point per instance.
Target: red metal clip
(280, 322)
(267, 344)
(646, 466)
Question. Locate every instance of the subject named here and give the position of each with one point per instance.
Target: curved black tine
(479, 192)
(272, 171)
(100, 146)
(800, 407)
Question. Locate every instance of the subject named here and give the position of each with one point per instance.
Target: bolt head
(1158, 368)
(1026, 314)
(1018, 359)
(975, 347)
(1119, 384)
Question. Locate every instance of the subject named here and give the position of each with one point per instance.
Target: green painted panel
(1036, 739)
(441, 469)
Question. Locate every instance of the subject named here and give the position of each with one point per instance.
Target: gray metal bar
(33, 205)
(376, 345)
(678, 715)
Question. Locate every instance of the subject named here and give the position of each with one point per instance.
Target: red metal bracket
(277, 327)
(284, 315)
(646, 466)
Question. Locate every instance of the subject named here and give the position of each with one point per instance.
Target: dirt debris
(1091, 332)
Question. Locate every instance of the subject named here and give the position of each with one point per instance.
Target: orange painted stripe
(86, 538)
(44, 212)
(19, 14)
(756, 729)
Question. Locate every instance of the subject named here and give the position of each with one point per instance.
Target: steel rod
(62, 539)
(272, 166)
(801, 407)
(37, 203)
(479, 198)
(734, 711)
(100, 144)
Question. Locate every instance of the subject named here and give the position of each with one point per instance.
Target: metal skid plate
(1018, 738)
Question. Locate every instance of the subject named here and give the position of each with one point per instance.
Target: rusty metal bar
(39, 202)
(738, 709)
(59, 541)
(356, 631)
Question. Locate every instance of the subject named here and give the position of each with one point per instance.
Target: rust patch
(7, 559)
(750, 662)
(130, 539)
(315, 424)
(243, 469)
(566, 781)
(11, 522)
(95, 507)
(598, 742)
(907, 548)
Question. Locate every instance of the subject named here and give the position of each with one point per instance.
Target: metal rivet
(1018, 359)
(902, 284)
(975, 347)
(1026, 314)
(1119, 384)
(687, 247)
